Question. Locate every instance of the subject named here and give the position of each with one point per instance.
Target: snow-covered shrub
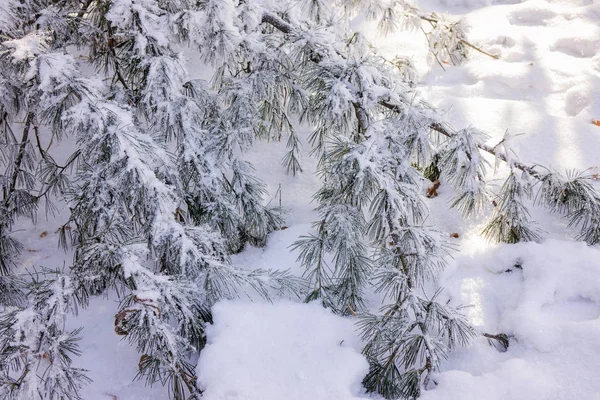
(160, 195)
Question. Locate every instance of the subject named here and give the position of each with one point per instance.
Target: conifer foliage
(36, 349)
(160, 196)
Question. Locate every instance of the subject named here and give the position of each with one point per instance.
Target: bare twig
(494, 56)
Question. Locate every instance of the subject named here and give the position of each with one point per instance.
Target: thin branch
(433, 22)
(59, 170)
(501, 338)
(276, 22)
(50, 142)
(20, 155)
(434, 54)
(448, 132)
(494, 56)
(36, 130)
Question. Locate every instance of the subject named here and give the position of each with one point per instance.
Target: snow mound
(546, 297)
(577, 46)
(290, 351)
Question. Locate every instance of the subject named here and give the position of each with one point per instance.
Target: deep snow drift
(545, 297)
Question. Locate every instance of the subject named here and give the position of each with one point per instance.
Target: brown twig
(494, 56)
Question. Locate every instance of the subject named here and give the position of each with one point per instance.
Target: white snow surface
(549, 307)
(286, 350)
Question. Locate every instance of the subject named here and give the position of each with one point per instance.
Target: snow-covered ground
(549, 306)
(545, 297)
(285, 350)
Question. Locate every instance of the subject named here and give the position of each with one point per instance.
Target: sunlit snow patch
(546, 298)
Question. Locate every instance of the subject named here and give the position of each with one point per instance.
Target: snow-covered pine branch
(463, 167)
(373, 180)
(511, 221)
(576, 197)
(36, 349)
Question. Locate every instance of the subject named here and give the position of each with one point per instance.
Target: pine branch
(511, 219)
(20, 155)
(446, 130)
(500, 338)
(494, 56)
(277, 22)
(14, 204)
(35, 348)
(435, 21)
(442, 128)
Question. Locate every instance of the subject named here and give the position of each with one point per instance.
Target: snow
(544, 87)
(111, 362)
(285, 350)
(29, 46)
(549, 307)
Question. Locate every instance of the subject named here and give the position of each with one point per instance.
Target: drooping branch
(444, 129)
(573, 197)
(433, 21)
(500, 338)
(20, 155)
(276, 22)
